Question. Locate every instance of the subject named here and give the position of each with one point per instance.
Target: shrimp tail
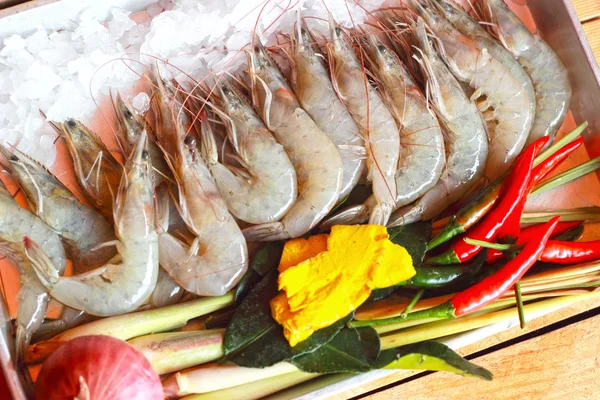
(404, 216)
(381, 214)
(162, 208)
(42, 265)
(357, 214)
(264, 232)
(22, 340)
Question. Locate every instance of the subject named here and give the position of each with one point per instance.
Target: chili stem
(495, 246)
(519, 299)
(568, 138)
(443, 328)
(568, 176)
(412, 303)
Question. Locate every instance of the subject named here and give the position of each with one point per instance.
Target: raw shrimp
(267, 188)
(466, 138)
(314, 156)
(548, 73)
(315, 92)
(374, 119)
(128, 281)
(82, 228)
(131, 127)
(421, 141)
(217, 258)
(15, 222)
(96, 169)
(482, 39)
(167, 291)
(422, 155)
(498, 94)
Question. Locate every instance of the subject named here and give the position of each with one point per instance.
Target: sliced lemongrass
(568, 176)
(257, 389)
(435, 330)
(568, 138)
(134, 324)
(174, 351)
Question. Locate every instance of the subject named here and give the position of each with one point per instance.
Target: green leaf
(414, 238)
(351, 350)
(378, 294)
(267, 258)
(265, 261)
(431, 356)
(254, 339)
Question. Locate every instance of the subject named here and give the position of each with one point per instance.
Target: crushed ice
(61, 72)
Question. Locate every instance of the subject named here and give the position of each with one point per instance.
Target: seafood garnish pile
(387, 121)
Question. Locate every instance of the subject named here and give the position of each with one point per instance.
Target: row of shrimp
(421, 106)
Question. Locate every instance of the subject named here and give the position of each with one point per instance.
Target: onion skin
(111, 368)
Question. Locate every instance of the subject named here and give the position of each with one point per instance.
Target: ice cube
(47, 141)
(141, 103)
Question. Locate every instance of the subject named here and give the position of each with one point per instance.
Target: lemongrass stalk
(519, 299)
(439, 329)
(568, 176)
(574, 214)
(257, 389)
(309, 387)
(568, 138)
(559, 273)
(214, 377)
(174, 351)
(560, 284)
(134, 324)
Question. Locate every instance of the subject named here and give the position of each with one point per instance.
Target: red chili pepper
(494, 286)
(510, 230)
(469, 215)
(485, 291)
(486, 230)
(560, 252)
(530, 232)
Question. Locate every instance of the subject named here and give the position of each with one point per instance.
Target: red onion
(109, 368)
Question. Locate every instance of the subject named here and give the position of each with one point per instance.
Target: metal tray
(556, 21)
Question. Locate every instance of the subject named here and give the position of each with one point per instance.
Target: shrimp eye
(128, 114)
(382, 49)
(338, 31)
(145, 155)
(71, 123)
(13, 158)
(189, 141)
